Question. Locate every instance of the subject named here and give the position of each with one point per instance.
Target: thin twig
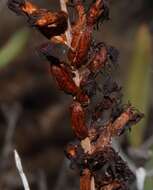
(20, 170)
(141, 176)
(12, 115)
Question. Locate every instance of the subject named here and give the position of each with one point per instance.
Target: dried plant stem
(12, 116)
(85, 180)
(90, 183)
(20, 170)
(68, 31)
(93, 184)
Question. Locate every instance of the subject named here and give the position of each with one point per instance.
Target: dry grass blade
(20, 170)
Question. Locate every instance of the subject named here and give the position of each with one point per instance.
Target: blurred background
(34, 115)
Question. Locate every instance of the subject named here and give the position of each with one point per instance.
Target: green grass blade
(13, 47)
(138, 84)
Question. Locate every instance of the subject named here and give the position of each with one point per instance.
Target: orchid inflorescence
(100, 166)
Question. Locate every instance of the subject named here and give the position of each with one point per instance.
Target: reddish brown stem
(85, 180)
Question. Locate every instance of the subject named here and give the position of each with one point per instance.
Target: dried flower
(99, 165)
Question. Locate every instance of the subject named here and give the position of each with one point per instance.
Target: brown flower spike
(100, 166)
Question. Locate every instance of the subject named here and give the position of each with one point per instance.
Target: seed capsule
(78, 120)
(64, 79)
